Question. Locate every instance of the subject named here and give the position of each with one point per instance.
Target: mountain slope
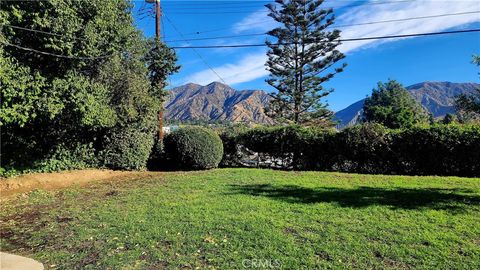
(437, 98)
(217, 102)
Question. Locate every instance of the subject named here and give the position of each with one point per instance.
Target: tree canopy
(468, 106)
(76, 74)
(392, 106)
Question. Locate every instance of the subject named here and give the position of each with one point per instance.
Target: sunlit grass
(232, 218)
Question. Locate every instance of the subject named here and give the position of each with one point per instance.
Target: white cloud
(257, 21)
(260, 21)
(402, 10)
(249, 68)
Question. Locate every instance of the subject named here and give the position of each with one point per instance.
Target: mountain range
(220, 102)
(217, 102)
(437, 98)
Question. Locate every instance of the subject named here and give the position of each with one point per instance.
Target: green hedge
(194, 148)
(438, 150)
(368, 148)
(127, 149)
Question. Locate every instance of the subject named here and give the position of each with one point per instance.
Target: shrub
(319, 150)
(438, 150)
(363, 148)
(78, 156)
(194, 148)
(232, 154)
(370, 148)
(391, 105)
(128, 149)
(281, 146)
(8, 172)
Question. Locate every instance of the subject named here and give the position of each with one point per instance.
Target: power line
(193, 49)
(228, 3)
(218, 37)
(205, 6)
(40, 31)
(55, 55)
(214, 3)
(326, 7)
(333, 26)
(409, 19)
(246, 24)
(45, 32)
(340, 40)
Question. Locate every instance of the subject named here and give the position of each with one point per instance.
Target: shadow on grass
(405, 198)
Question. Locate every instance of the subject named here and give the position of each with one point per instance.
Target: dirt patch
(53, 181)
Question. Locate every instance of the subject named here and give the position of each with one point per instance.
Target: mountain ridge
(437, 98)
(217, 102)
(220, 102)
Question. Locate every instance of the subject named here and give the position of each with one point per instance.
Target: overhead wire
(245, 45)
(53, 54)
(195, 51)
(332, 26)
(255, 34)
(214, 3)
(40, 31)
(164, 36)
(340, 40)
(246, 24)
(266, 11)
(234, 4)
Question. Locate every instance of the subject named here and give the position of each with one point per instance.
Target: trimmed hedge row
(369, 148)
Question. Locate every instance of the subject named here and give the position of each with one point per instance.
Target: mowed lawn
(253, 218)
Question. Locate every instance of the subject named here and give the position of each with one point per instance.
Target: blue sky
(412, 60)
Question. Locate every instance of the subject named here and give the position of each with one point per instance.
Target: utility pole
(158, 16)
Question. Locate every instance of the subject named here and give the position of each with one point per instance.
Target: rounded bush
(194, 148)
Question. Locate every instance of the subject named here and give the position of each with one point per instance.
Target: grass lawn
(259, 219)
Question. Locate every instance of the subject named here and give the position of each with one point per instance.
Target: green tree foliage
(301, 60)
(468, 106)
(449, 119)
(21, 92)
(161, 62)
(392, 106)
(127, 148)
(90, 86)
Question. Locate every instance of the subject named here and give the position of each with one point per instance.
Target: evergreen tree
(392, 106)
(468, 106)
(161, 62)
(448, 119)
(303, 57)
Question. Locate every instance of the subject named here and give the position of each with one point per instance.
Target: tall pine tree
(303, 57)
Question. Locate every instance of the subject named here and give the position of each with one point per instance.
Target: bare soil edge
(58, 180)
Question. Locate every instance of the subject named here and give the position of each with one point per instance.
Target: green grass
(231, 218)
